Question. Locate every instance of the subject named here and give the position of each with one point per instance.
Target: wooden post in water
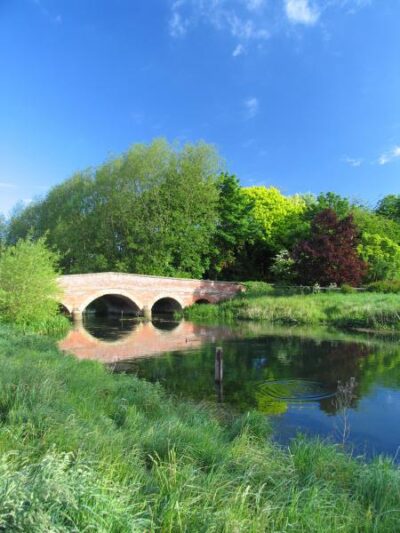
(219, 364)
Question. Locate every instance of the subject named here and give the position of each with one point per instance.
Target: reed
(282, 306)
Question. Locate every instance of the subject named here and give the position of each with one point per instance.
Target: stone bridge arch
(125, 296)
(166, 304)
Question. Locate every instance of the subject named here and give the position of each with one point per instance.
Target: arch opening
(166, 307)
(115, 305)
(202, 301)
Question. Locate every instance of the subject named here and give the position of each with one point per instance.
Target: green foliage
(28, 286)
(330, 200)
(347, 289)
(3, 233)
(234, 228)
(167, 210)
(152, 210)
(282, 267)
(389, 207)
(279, 218)
(334, 308)
(385, 286)
(72, 462)
(376, 224)
(382, 256)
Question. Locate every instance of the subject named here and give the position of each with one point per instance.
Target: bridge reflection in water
(111, 341)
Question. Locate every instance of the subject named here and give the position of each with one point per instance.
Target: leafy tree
(329, 200)
(28, 284)
(382, 256)
(330, 254)
(389, 207)
(235, 226)
(373, 223)
(153, 210)
(279, 218)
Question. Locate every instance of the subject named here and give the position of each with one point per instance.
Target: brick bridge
(138, 294)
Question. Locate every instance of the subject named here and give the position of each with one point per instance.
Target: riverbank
(85, 449)
(367, 310)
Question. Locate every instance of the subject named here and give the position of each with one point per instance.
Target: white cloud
(252, 107)
(389, 156)
(301, 12)
(246, 29)
(238, 51)
(236, 17)
(253, 20)
(177, 25)
(7, 185)
(353, 162)
(254, 5)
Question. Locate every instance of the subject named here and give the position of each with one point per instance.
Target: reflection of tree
(382, 368)
(250, 362)
(270, 406)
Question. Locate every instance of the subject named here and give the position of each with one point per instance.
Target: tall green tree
(235, 227)
(153, 210)
(279, 218)
(330, 200)
(389, 207)
(28, 284)
(382, 256)
(374, 223)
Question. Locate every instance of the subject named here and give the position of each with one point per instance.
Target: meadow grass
(262, 302)
(82, 449)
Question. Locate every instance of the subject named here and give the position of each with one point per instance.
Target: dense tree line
(160, 209)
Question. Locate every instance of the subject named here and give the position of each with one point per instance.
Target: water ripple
(294, 390)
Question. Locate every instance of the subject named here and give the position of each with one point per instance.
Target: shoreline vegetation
(343, 310)
(84, 449)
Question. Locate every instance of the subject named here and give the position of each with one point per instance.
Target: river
(289, 374)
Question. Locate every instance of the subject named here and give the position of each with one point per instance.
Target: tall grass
(84, 450)
(54, 326)
(261, 302)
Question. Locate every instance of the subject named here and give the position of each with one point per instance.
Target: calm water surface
(288, 374)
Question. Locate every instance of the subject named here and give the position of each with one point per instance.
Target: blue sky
(300, 94)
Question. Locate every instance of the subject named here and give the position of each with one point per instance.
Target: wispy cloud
(391, 155)
(252, 20)
(353, 161)
(252, 107)
(254, 5)
(7, 185)
(240, 18)
(301, 12)
(238, 51)
(177, 25)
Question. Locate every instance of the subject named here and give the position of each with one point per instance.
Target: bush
(385, 286)
(28, 287)
(347, 289)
